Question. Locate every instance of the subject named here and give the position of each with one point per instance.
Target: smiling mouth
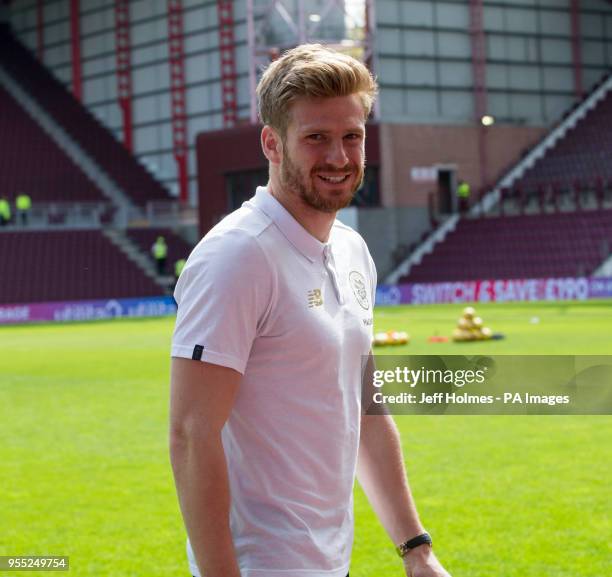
(334, 179)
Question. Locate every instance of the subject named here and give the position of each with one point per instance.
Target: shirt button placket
(328, 259)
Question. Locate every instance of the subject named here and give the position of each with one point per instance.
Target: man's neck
(316, 222)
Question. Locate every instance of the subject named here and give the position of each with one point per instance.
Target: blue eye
(315, 137)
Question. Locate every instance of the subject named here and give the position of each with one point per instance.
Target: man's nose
(336, 155)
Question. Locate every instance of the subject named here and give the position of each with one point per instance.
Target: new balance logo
(315, 299)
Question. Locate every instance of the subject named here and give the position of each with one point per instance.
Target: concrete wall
(404, 147)
(384, 229)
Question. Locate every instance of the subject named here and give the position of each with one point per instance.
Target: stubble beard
(294, 182)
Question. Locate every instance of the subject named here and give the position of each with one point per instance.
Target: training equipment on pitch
(391, 338)
(468, 312)
(471, 328)
(437, 339)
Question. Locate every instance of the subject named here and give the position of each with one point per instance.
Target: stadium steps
(67, 144)
(178, 247)
(141, 259)
(605, 269)
(426, 247)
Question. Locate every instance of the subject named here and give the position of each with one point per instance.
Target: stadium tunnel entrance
(447, 181)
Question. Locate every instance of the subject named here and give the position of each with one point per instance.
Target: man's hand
(421, 562)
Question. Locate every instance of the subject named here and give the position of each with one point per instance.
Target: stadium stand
(145, 237)
(578, 163)
(560, 223)
(67, 265)
(581, 156)
(23, 144)
(508, 247)
(134, 180)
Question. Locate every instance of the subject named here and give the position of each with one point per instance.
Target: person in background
(463, 194)
(179, 265)
(159, 250)
(23, 204)
(5, 211)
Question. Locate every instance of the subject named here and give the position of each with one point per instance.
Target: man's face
(324, 151)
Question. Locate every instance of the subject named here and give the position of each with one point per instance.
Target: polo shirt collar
(295, 233)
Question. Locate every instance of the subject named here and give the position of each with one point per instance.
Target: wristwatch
(406, 546)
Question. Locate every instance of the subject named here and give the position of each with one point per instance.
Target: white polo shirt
(261, 295)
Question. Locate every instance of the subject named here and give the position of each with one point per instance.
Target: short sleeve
(223, 295)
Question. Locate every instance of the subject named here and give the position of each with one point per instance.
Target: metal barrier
(56, 215)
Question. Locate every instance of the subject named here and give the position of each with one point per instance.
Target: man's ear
(271, 144)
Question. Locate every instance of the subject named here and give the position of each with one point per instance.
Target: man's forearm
(200, 473)
(382, 476)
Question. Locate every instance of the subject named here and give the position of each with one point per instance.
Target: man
(23, 204)
(159, 250)
(5, 211)
(179, 265)
(463, 194)
(274, 316)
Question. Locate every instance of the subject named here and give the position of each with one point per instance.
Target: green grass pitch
(85, 469)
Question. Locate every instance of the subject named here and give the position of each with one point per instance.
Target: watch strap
(406, 546)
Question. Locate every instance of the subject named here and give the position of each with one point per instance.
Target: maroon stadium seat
(31, 162)
(558, 245)
(583, 153)
(91, 135)
(67, 265)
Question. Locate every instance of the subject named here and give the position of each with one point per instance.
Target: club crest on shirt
(358, 284)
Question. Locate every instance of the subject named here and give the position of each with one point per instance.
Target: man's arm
(201, 398)
(382, 476)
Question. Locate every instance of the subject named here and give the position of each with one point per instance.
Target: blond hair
(311, 70)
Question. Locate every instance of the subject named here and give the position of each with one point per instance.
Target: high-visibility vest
(463, 190)
(5, 209)
(179, 265)
(160, 249)
(23, 202)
